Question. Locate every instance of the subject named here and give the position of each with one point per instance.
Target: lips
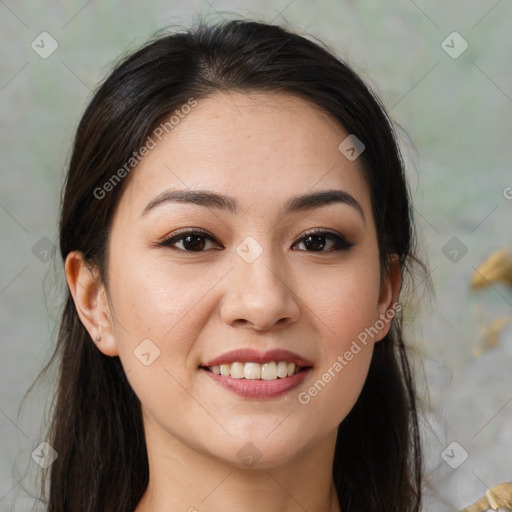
(255, 356)
(258, 389)
(249, 385)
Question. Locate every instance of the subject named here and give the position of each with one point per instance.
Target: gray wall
(456, 110)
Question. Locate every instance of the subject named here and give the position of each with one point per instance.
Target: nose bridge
(259, 267)
(259, 291)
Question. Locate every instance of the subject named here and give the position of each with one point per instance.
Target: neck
(182, 479)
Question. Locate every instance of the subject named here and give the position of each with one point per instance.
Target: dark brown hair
(97, 426)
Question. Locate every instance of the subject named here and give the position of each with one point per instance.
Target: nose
(260, 293)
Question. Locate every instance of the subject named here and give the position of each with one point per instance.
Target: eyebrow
(210, 199)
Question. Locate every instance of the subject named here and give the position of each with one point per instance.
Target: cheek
(346, 305)
(345, 301)
(152, 297)
(340, 378)
(334, 393)
(155, 319)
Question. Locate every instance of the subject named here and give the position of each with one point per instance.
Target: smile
(254, 371)
(254, 374)
(258, 387)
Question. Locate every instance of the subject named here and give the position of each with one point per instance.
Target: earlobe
(91, 302)
(388, 306)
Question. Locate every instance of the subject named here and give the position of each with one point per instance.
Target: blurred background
(444, 72)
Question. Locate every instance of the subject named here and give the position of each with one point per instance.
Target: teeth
(237, 370)
(282, 369)
(254, 371)
(250, 370)
(269, 371)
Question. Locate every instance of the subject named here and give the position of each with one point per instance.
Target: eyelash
(341, 244)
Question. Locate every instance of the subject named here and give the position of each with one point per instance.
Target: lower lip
(259, 388)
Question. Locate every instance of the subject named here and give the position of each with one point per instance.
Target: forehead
(261, 148)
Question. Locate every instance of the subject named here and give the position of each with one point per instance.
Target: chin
(263, 451)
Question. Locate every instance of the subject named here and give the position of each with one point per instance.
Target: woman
(236, 230)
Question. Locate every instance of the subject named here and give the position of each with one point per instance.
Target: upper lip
(248, 355)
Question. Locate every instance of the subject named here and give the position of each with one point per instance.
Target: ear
(90, 298)
(391, 283)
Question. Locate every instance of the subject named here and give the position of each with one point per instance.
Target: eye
(196, 241)
(316, 239)
(192, 240)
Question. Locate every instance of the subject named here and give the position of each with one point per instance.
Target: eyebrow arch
(210, 199)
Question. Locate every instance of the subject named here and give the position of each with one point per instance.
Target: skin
(260, 148)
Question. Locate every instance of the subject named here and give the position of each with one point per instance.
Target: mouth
(270, 371)
(255, 375)
(267, 386)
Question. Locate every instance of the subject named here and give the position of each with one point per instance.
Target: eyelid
(185, 231)
(342, 243)
(180, 234)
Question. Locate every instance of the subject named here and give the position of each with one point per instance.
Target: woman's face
(252, 280)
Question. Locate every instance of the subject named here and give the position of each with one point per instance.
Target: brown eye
(315, 242)
(191, 240)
